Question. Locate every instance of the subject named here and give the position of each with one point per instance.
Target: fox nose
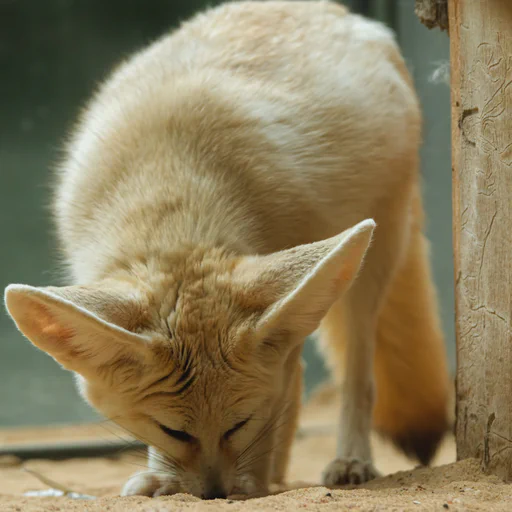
(213, 493)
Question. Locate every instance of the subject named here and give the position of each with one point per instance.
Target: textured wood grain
(481, 59)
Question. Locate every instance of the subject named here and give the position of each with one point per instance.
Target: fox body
(241, 183)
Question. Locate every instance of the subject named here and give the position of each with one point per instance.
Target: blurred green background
(52, 54)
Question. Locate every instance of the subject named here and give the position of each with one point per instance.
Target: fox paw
(348, 471)
(150, 484)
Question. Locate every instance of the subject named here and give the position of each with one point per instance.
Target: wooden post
(481, 74)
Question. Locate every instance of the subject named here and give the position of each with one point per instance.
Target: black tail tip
(419, 445)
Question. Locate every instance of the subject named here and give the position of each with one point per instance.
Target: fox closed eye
(179, 435)
(185, 437)
(236, 428)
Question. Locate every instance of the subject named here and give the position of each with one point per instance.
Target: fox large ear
(83, 328)
(296, 287)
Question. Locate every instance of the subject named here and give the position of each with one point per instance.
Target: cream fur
(212, 209)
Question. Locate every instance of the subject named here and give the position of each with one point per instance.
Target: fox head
(192, 361)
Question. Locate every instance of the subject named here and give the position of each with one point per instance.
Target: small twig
(55, 485)
(47, 481)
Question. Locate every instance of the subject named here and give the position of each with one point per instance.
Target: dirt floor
(447, 486)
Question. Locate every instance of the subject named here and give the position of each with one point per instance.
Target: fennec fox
(217, 200)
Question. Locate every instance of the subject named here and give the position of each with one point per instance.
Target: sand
(446, 486)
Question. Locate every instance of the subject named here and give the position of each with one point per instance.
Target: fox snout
(213, 487)
(214, 492)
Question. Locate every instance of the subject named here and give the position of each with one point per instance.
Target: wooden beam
(481, 74)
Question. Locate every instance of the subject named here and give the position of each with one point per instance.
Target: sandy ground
(447, 486)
